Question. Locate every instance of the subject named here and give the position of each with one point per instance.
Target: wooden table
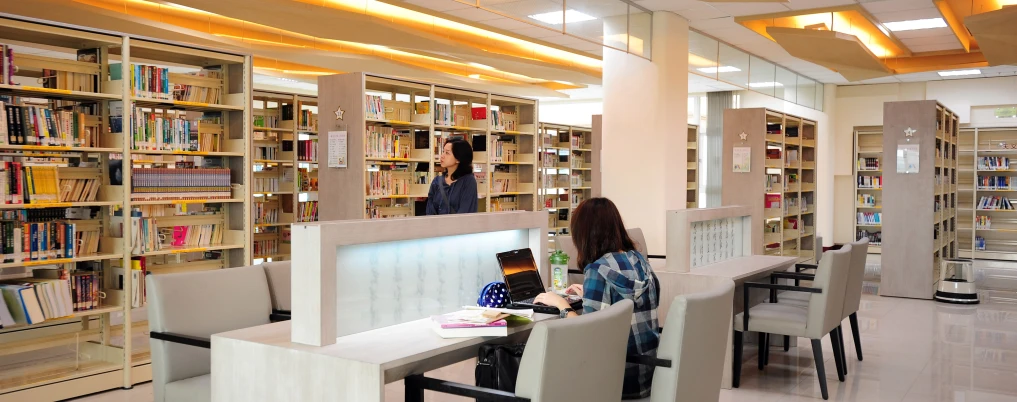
(261, 364)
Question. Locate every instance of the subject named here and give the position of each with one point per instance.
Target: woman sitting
(614, 271)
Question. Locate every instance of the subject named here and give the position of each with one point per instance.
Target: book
(23, 304)
(468, 324)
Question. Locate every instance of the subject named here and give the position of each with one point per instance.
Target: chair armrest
(805, 267)
(182, 339)
(647, 361)
(576, 272)
(416, 384)
(279, 315)
(773, 287)
(792, 275)
(656, 256)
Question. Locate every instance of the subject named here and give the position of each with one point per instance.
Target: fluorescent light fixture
(478, 65)
(474, 76)
(912, 25)
(565, 82)
(721, 69)
(958, 72)
(555, 17)
(768, 84)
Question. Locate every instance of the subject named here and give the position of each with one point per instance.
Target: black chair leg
(414, 391)
(854, 332)
(843, 350)
(762, 351)
(736, 364)
(766, 351)
(817, 352)
(787, 343)
(835, 340)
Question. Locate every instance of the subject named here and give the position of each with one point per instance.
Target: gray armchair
(278, 275)
(576, 359)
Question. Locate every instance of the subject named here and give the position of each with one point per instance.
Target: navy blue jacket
(462, 196)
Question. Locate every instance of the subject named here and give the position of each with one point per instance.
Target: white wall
(645, 109)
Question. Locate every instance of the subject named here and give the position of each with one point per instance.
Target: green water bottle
(559, 271)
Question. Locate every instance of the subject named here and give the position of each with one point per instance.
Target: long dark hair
(463, 152)
(597, 229)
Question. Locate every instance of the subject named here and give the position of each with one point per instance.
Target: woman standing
(614, 271)
(455, 191)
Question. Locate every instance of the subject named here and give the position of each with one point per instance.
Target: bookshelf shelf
(780, 182)
(83, 90)
(986, 165)
(568, 171)
(397, 123)
(911, 255)
(868, 169)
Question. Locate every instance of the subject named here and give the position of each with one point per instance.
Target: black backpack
(498, 366)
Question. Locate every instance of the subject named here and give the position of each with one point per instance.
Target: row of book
(501, 184)
(504, 203)
(307, 150)
(504, 120)
(980, 244)
(308, 120)
(264, 121)
(996, 183)
(449, 115)
(773, 201)
(875, 237)
(146, 81)
(993, 163)
(307, 211)
(867, 200)
(307, 182)
(188, 183)
(771, 180)
(40, 241)
(171, 131)
(266, 184)
(870, 218)
(865, 181)
(503, 150)
(200, 94)
(995, 203)
(385, 209)
(388, 182)
(868, 164)
(49, 294)
(22, 184)
(71, 81)
(37, 125)
(374, 107)
(266, 153)
(386, 142)
(151, 237)
(983, 222)
(265, 212)
(269, 247)
(7, 59)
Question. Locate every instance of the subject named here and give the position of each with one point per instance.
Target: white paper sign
(337, 149)
(742, 160)
(907, 158)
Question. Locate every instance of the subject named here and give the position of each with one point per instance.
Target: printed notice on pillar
(337, 149)
(742, 160)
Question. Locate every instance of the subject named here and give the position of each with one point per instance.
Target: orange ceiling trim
(955, 23)
(851, 19)
(935, 62)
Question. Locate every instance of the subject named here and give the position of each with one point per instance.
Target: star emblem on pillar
(910, 132)
(743, 136)
(339, 113)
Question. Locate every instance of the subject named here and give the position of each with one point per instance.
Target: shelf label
(49, 205)
(51, 90)
(186, 103)
(185, 202)
(190, 153)
(44, 148)
(189, 250)
(47, 262)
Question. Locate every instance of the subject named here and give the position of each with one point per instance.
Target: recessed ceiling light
(721, 69)
(474, 76)
(767, 84)
(911, 25)
(478, 65)
(959, 72)
(565, 82)
(286, 79)
(555, 17)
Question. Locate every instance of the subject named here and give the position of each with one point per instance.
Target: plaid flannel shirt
(613, 278)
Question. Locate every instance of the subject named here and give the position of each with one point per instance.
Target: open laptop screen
(521, 276)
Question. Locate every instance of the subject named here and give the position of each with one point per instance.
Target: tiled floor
(914, 351)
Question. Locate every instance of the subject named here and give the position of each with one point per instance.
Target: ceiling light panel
(721, 69)
(556, 17)
(958, 73)
(911, 25)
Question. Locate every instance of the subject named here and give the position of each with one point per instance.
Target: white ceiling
(717, 20)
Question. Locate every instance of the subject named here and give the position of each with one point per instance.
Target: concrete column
(645, 129)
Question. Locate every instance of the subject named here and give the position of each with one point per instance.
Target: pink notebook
(447, 327)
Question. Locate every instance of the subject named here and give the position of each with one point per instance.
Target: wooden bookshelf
(911, 255)
(868, 174)
(781, 182)
(692, 191)
(569, 160)
(984, 170)
(92, 350)
(422, 116)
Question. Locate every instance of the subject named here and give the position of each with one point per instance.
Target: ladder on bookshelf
(692, 191)
(780, 182)
(868, 188)
(395, 129)
(285, 170)
(567, 168)
(987, 193)
(94, 180)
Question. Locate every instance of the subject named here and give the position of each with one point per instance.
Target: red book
(480, 113)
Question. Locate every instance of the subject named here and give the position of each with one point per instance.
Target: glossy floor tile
(914, 351)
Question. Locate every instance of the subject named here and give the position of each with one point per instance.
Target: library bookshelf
(692, 191)
(921, 138)
(868, 173)
(987, 225)
(285, 170)
(113, 117)
(780, 181)
(568, 156)
(395, 130)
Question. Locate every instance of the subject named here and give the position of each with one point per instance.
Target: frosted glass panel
(384, 284)
(715, 240)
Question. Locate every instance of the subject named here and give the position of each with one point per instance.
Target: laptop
(524, 283)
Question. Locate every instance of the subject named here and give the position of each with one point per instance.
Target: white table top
(739, 269)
